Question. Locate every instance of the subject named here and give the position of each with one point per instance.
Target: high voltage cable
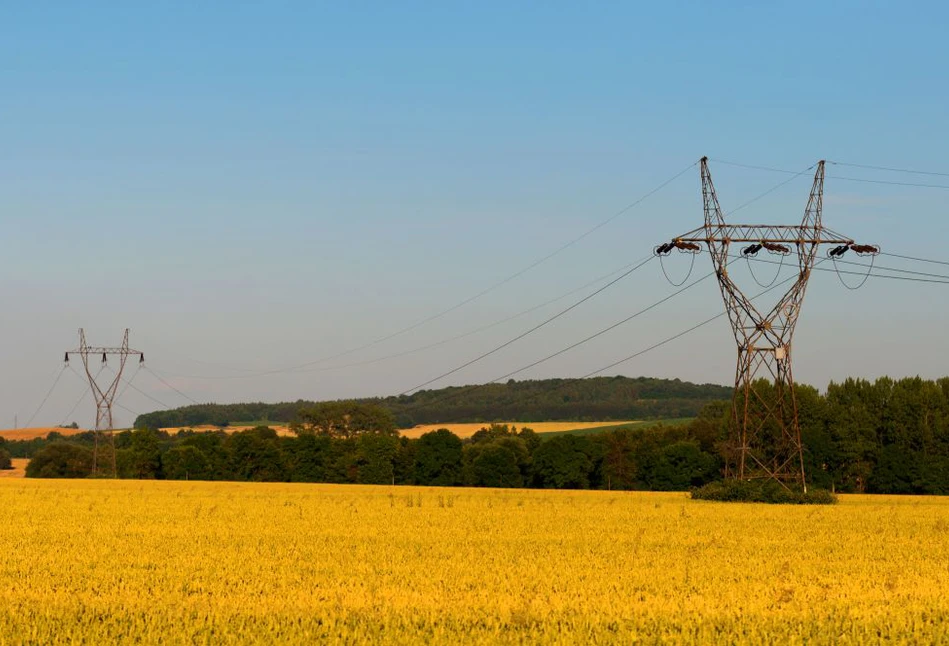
(129, 381)
(616, 363)
(772, 189)
(489, 289)
(574, 345)
(46, 398)
(531, 330)
(853, 179)
(129, 384)
(896, 255)
(604, 330)
(86, 388)
(436, 343)
(871, 273)
(890, 169)
(85, 392)
(159, 378)
(887, 182)
(495, 286)
(668, 339)
(687, 331)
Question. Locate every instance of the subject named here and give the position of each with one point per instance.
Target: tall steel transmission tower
(104, 396)
(765, 433)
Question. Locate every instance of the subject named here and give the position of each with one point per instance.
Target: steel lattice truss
(765, 435)
(104, 393)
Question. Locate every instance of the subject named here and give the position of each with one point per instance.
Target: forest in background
(595, 399)
(886, 436)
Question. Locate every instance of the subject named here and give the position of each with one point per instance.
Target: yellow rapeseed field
(222, 563)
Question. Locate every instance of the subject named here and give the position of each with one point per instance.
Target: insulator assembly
(751, 250)
(776, 248)
(689, 247)
(838, 252)
(664, 249)
(865, 249)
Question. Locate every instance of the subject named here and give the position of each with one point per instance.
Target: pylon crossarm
(771, 233)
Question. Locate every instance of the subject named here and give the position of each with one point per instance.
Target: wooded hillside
(596, 399)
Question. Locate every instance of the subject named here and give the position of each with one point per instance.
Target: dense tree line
(5, 455)
(596, 399)
(888, 436)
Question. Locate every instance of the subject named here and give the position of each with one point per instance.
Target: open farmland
(18, 470)
(185, 562)
(15, 434)
(466, 430)
(281, 429)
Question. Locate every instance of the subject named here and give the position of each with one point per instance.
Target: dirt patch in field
(18, 470)
(468, 429)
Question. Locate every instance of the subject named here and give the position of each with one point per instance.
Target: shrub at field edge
(768, 492)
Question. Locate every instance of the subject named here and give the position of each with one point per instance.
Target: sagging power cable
(531, 330)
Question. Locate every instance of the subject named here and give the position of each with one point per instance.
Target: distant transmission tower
(104, 396)
(765, 433)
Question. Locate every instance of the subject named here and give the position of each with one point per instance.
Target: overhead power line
(434, 344)
(531, 330)
(486, 290)
(159, 378)
(890, 169)
(896, 255)
(887, 182)
(46, 398)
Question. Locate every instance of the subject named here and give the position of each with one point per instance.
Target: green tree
(185, 462)
(60, 460)
(254, 455)
(5, 461)
(143, 457)
(682, 465)
(404, 462)
(438, 458)
(562, 463)
(344, 419)
(493, 465)
(376, 454)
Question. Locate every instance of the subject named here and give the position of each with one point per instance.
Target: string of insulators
(66, 359)
(776, 248)
(664, 249)
(104, 358)
(863, 249)
(859, 249)
(141, 358)
(751, 250)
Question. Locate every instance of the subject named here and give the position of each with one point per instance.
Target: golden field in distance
(462, 430)
(98, 561)
(466, 430)
(18, 470)
(14, 434)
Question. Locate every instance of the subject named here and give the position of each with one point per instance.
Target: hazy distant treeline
(596, 399)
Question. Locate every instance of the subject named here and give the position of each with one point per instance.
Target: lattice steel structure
(765, 434)
(104, 396)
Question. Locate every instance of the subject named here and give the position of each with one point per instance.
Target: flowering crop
(98, 561)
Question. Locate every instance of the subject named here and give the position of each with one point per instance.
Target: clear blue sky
(257, 186)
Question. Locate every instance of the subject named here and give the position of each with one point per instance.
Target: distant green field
(672, 421)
